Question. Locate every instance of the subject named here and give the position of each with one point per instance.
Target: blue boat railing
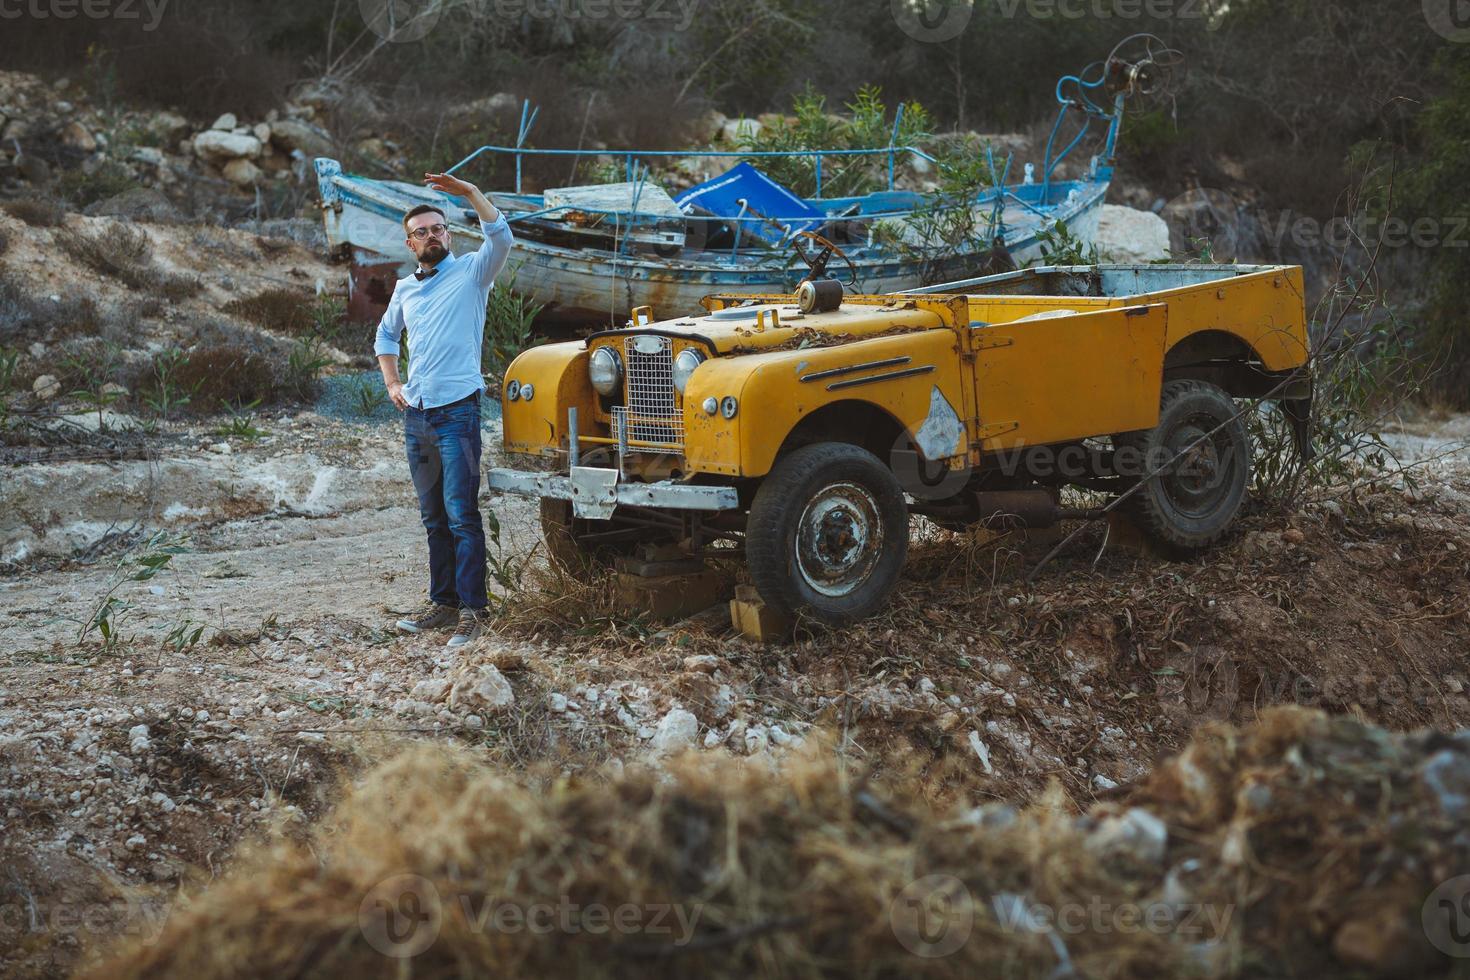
(632, 158)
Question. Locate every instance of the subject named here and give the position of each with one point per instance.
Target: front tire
(1190, 504)
(828, 533)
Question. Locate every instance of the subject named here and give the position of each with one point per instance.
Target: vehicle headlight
(606, 370)
(684, 366)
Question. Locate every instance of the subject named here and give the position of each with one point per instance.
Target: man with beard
(442, 307)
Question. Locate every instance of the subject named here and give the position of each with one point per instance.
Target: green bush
(509, 322)
(813, 128)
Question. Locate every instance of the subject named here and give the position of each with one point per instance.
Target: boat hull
(362, 219)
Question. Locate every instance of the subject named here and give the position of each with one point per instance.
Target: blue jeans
(443, 447)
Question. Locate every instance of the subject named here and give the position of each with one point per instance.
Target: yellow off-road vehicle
(810, 427)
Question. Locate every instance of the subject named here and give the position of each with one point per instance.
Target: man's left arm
(491, 258)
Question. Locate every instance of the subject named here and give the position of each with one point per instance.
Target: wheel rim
(1200, 481)
(839, 538)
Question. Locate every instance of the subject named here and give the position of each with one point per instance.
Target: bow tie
(421, 276)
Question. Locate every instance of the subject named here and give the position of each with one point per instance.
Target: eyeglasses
(422, 234)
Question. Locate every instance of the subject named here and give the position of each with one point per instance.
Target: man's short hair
(421, 209)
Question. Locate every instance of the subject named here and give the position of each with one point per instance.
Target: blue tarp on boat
(745, 190)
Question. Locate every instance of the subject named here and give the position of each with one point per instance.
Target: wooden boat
(598, 252)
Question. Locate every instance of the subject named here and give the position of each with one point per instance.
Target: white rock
(756, 739)
(482, 690)
(557, 702)
(138, 731)
(1103, 782)
(136, 841)
(1137, 833)
(222, 448)
(219, 147)
(227, 122)
(242, 173)
(1129, 235)
(676, 730)
(262, 132)
(46, 386)
(432, 690)
(704, 663)
(983, 751)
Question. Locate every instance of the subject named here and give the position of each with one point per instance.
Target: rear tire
(1190, 505)
(828, 533)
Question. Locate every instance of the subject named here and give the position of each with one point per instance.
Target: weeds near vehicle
(1059, 246)
(168, 392)
(509, 323)
(94, 372)
(182, 638)
(815, 128)
(111, 609)
(948, 224)
(304, 366)
(241, 424)
(505, 570)
(367, 396)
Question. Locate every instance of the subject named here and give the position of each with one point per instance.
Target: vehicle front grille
(652, 420)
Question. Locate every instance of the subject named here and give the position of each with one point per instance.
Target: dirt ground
(134, 772)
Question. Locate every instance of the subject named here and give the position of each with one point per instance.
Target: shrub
(125, 254)
(292, 312)
(82, 188)
(815, 129)
(31, 317)
(509, 321)
(36, 212)
(281, 310)
(228, 375)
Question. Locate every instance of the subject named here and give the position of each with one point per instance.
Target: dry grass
(36, 212)
(124, 253)
(286, 311)
(804, 873)
(231, 375)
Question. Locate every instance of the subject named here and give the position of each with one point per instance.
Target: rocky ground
(257, 667)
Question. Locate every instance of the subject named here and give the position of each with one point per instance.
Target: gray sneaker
(434, 617)
(471, 625)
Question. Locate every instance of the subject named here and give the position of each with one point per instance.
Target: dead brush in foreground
(125, 254)
(1297, 847)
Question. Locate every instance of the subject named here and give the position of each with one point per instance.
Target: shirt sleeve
(490, 259)
(391, 327)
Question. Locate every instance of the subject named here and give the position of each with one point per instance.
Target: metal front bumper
(595, 492)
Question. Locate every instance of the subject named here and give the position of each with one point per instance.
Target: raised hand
(448, 184)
